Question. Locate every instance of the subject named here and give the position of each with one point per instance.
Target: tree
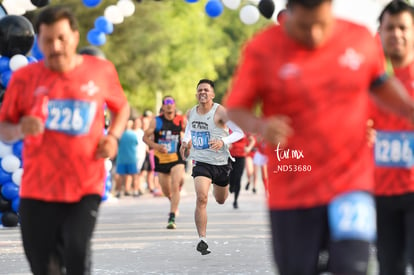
(165, 47)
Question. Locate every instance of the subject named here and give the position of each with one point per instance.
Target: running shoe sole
(171, 225)
(202, 247)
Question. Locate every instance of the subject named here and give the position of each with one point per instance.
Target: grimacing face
(58, 42)
(310, 27)
(205, 93)
(397, 35)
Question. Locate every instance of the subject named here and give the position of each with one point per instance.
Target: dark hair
(52, 14)
(309, 4)
(396, 7)
(205, 80)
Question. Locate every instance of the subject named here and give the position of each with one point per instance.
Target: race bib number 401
(394, 149)
(200, 140)
(71, 117)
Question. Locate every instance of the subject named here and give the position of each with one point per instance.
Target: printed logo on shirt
(41, 90)
(90, 88)
(289, 70)
(351, 59)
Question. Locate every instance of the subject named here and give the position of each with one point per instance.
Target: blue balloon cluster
(10, 177)
(108, 178)
(17, 38)
(97, 35)
(108, 185)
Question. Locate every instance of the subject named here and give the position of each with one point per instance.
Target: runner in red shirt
(394, 148)
(312, 75)
(63, 178)
(239, 151)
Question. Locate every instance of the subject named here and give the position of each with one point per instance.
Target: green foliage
(167, 46)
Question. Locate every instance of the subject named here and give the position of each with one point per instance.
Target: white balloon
(127, 7)
(17, 61)
(108, 164)
(13, 7)
(10, 163)
(17, 176)
(113, 14)
(5, 149)
(249, 14)
(27, 5)
(232, 4)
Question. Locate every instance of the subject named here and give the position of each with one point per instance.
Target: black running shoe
(202, 247)
(247, 186)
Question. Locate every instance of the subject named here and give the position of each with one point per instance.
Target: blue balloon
(10, 191)
(31, 59)
(96, 37)
(102, 24)
(36, 52)
(91, 3)
(4, 63)
(18, 148)
(15, 204)
(5, 78)
(4, 176)
(214, 8)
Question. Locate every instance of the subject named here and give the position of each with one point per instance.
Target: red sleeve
(379, 63)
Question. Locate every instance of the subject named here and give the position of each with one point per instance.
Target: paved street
(131, 238)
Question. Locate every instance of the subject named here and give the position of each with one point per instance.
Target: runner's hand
(107, 147)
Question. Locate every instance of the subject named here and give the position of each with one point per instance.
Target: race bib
(352, 216)
(200, 140)
(70, 116)
(394, 149)
(171, 145)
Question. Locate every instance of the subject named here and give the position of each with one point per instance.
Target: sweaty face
(58, 43)
(310, 27)
(397, 35)
(205, 93)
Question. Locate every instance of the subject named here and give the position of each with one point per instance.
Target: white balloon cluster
(116, 13)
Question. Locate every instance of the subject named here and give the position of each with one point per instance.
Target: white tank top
(203, 129)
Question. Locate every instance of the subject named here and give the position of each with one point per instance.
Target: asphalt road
(131, 238)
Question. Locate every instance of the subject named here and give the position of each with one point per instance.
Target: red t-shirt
(394, 181)
(63, 168)
(237, 149)
(325, 93)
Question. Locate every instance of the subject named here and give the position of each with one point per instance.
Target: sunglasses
(168, 101)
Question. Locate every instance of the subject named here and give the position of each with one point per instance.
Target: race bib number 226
(70, 116)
